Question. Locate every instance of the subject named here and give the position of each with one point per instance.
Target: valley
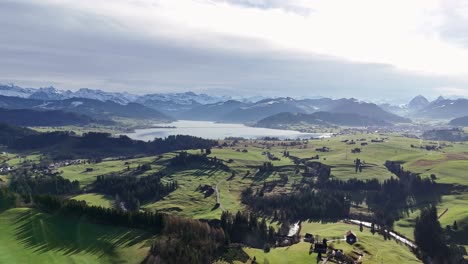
(242, 175)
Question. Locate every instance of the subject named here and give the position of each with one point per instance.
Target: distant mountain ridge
(282, 120)
(28, 117)
(90, 107)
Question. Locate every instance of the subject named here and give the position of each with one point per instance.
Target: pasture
(29, 236)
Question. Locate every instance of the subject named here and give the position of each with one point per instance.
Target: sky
(366, 49)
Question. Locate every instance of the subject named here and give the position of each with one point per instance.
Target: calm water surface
(213, 130)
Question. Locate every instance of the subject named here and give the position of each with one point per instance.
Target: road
(400, 238)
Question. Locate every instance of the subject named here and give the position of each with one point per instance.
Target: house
(309, 238)
(356, 150)
(351, 237)
(323, 149)
(320, 248)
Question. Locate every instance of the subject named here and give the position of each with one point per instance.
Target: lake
(213, 130)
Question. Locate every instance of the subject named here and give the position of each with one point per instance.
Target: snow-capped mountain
(186, 98)
(121, 98)
(16, 91)
(52, 93)
(414, 105)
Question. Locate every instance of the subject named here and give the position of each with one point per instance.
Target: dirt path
(218, 200)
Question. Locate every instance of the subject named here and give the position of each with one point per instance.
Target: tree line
(92, 145)
(299, 205)
(27, 184)
(184, 159)
(433, 246)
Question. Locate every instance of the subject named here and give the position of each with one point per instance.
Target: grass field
(28, 236)
(78, 172)
(94, 199)
(376, 249)
(190, 202)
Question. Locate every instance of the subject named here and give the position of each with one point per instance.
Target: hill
(370, 110)
(319, 118)
(67, 145)
(9, 133)
(461, 121)
(27, 117)
(90, 107)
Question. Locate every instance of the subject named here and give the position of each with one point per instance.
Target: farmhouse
(351, 237)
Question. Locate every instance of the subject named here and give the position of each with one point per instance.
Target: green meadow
(95, 199)
(29, 236)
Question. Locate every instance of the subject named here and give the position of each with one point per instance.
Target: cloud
(247, 47)
(454, 22)
(452, 91)
(298, 7)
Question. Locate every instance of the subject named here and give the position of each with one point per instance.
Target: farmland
(243, 159)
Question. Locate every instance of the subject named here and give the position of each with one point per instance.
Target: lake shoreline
(217, 130)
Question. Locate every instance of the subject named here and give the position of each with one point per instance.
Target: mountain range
(441, 108)
(100, 105)
(52, 93)
(235, 111)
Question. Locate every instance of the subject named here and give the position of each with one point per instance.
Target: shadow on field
(42, 232)
(460, 236)
(262, 175)
(207, 171)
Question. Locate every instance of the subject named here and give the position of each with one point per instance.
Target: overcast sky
(365, 49)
